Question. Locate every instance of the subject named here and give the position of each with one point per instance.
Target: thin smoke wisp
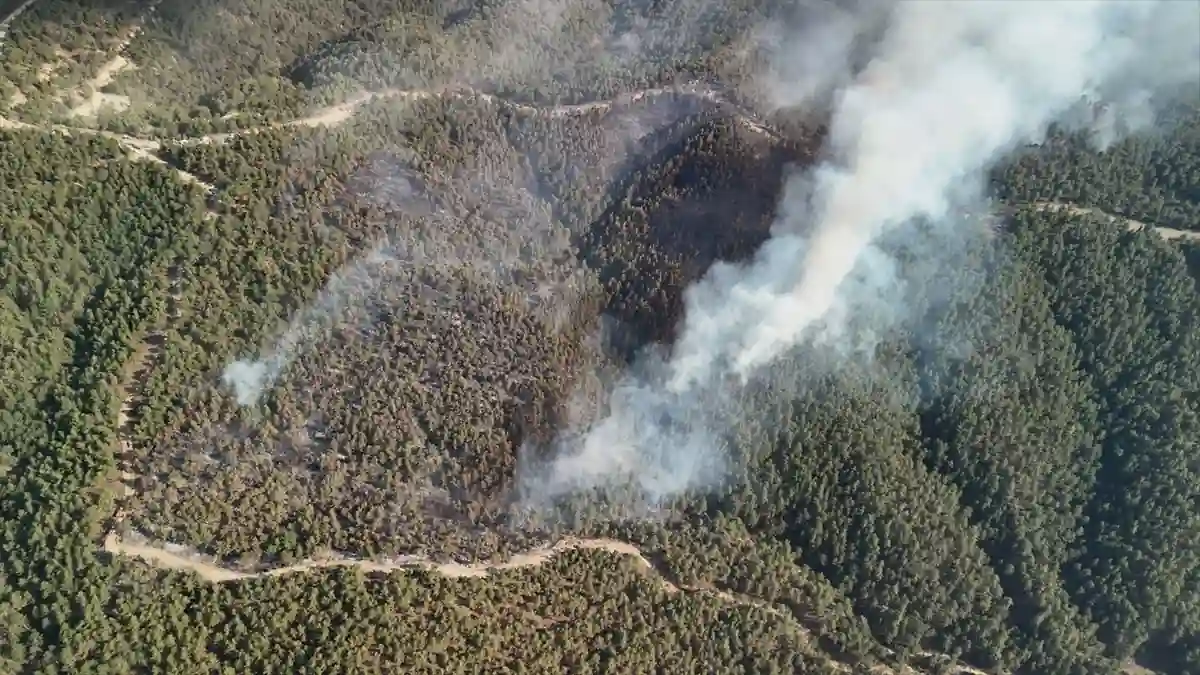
(249, 378)
(947, 89)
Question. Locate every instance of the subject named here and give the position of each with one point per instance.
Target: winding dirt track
(337, 114)
(176, 557)
(1167, 233)
(146, 149)
(166, 556)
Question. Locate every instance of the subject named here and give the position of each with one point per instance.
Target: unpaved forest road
(335, 115)
(138, 149)
(1134, 225)
(177, 558)
(146, 149)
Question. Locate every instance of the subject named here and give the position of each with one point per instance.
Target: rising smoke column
(951, 87)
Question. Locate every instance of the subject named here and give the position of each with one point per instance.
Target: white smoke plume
(950, 86)
(250, 378)
(1167, 66)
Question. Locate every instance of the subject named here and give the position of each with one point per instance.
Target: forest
(455, 265)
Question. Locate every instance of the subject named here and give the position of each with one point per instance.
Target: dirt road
(1133, 225)
(179, 558)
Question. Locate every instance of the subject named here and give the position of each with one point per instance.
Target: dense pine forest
(455, 264)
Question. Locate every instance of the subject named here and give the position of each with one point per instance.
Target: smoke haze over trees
(855, 325)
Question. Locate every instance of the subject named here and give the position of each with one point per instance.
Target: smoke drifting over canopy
(923, 97)
(947, 88)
